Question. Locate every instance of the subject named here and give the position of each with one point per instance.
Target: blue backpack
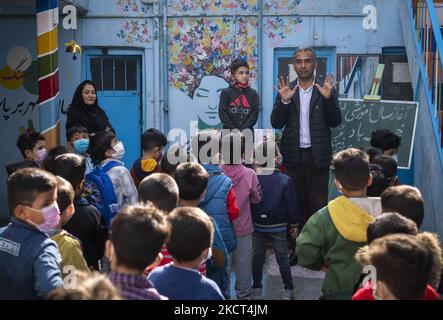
(99, 191)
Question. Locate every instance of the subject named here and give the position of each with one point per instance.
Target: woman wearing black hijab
(85, 111)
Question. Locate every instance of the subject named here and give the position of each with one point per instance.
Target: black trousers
(310, 183)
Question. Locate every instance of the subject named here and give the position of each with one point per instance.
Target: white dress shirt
(305, 101)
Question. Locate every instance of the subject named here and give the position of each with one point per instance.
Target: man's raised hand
(326, 90)
(286, 93)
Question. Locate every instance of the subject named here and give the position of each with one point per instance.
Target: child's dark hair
(161, 189)
(231, 145)
(385, 139)
(27, 141)
(192, 180)
(70, 166)
(48, 162)
(403, 262)
(405, 200)
(373, 152)
(390, 223)
(388, 165)
(137, 234)
(238, 63)
(153, 138)
(206, 141)
(99, 144)
(379, 182)
(192, 232)
(75, 130)
(65, 193)
(26, 184)
(351, 168)
(175, 152)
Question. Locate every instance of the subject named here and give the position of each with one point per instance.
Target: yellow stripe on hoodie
(349, 219)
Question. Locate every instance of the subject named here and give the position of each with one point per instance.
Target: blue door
(118, 81)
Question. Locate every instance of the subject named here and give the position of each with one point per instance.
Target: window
(114, 73)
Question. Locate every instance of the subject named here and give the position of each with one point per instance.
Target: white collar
(307, 90)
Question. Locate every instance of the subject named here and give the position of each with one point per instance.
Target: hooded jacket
(215, 204)
(247, 190)
(330, 239)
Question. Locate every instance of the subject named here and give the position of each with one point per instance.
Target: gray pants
(242, 266)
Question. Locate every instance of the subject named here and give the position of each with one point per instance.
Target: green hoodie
(330, 239)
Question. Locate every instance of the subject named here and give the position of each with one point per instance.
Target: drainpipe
(165, 69)
(260, 63)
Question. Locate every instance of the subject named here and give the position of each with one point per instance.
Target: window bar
(126, 75)
(101, 73)
(436, 94)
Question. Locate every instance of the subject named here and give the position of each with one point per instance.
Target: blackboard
(360, 118)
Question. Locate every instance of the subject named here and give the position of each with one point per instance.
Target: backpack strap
(110, 165)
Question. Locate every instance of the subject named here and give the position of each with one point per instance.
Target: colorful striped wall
(48, 73)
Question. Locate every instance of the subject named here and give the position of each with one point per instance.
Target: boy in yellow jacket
(332, 236)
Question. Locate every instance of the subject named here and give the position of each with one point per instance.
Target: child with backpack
(106, 152)
(87, 224)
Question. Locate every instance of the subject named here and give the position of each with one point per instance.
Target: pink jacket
(247, 190)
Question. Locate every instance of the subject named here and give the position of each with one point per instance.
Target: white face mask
(395, 157)
(119, 151)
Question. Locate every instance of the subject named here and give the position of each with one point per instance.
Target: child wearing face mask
(87, 224)
(190, 244)
(107, 152)
(29, 259)
(70, 249)
(152, 142)
(78, 142)
(33, 148)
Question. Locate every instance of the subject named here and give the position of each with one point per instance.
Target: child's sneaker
(288, 294)
(257, 294)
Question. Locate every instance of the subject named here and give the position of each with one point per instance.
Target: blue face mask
(81, 145)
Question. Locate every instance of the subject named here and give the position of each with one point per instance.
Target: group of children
(178, 230)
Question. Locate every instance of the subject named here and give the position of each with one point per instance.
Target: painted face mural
(206, 99)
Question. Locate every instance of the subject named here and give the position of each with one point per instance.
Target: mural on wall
(280, 28)
(281, 6)
(196, 7)
(136, 31)
(19, 71)
(132, 7)
(201, 47)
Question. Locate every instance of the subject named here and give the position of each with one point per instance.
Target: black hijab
(92, 117)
